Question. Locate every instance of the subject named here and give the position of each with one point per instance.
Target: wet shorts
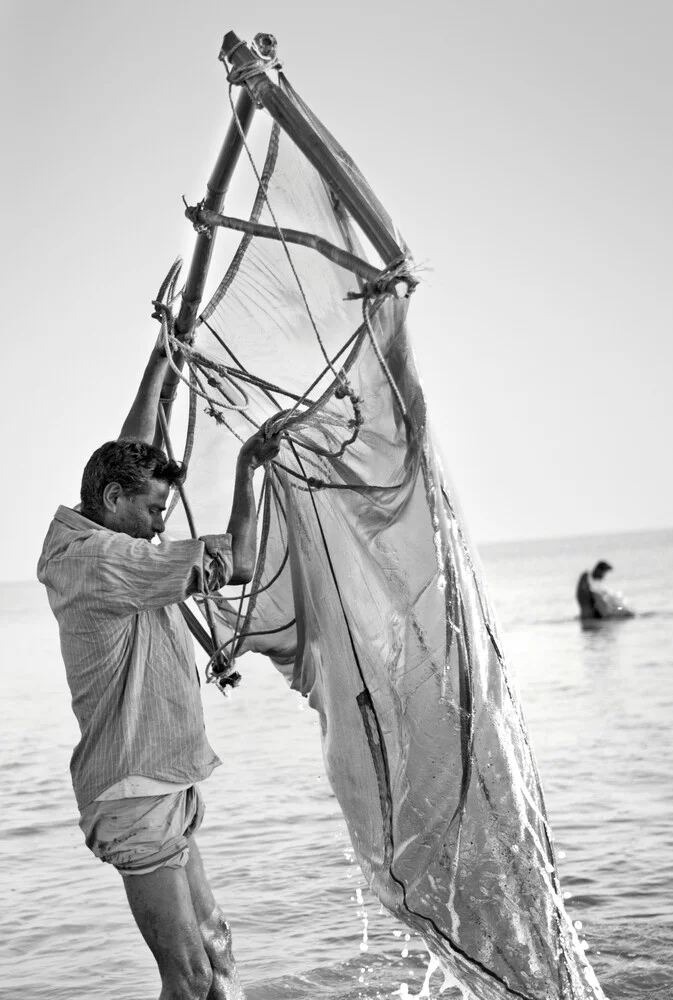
(139, 835)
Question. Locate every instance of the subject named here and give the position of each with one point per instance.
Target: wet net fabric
(367, 597)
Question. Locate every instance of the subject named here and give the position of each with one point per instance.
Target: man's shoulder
(69, 525)
(583, 589)
(73, 544)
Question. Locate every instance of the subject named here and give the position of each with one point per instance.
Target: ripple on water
(598, 706)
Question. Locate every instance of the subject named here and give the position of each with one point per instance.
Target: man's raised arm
(141, 422)
(243, 521)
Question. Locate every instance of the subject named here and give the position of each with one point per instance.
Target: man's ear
(111, 495)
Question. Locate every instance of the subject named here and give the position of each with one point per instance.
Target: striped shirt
(128, 654)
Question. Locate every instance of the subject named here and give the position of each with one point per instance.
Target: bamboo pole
(208, 643)
(302, 133)
(217, 187)
(201, 216)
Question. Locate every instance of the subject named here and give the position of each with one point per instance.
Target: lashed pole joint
(204, 220)
(250, 71)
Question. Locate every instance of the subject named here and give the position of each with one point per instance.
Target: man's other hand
(259, 449)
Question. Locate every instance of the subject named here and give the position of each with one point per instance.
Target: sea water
(599, 705)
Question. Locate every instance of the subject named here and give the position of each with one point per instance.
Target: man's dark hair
(130, 463)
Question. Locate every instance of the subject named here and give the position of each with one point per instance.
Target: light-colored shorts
(139, 835)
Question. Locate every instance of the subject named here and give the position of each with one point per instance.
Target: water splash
(362, 912)
(449, 982)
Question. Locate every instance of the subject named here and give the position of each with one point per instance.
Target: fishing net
(367, 595)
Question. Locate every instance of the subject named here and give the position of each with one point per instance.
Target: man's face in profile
(141, 516)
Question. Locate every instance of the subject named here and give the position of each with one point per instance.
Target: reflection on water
(599, 640)
(598, 703)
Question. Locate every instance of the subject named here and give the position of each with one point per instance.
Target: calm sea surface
(599, 705)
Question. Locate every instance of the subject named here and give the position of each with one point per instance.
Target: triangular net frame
(367, 594)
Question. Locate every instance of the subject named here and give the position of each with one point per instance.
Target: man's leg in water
(161, 903)
(215, 932)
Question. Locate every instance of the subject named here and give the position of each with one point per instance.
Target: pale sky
(524, 149)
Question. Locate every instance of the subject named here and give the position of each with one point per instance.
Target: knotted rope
(398, 279)
(264, 48)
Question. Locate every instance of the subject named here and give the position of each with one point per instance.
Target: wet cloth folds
(138, 835)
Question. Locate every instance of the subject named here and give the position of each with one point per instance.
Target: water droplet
(577, 924)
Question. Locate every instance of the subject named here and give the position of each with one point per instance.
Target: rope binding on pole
(263, 47)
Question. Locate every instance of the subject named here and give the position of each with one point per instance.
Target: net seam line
(394, 877)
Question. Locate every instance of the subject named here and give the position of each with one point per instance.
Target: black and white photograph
(336, 630)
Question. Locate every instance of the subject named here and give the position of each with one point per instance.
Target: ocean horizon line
(532, 539)
(482, 544)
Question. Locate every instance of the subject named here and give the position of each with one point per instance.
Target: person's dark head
(125, 487)
(600, 569)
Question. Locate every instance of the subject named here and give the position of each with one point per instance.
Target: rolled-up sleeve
(134, 575)
(218, 562)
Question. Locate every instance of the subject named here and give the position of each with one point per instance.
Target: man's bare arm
(141, 422)
(243, 521)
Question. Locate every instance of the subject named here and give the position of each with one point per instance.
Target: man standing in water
(595, 601)
(135, 690)
(585, 594)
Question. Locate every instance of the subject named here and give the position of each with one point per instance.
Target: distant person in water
(135, 690)
(595, 600)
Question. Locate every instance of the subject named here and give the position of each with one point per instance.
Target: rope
(241, 368)
(262, 383)
(167, 289)
(397, 275)
(264, 49)
(172, 343)
(227, 677)
(381, 360)
(180, 486)
(220, 677)
(395, 279)
(238, 75)
(313, 483)
(189, 441)
(214, 677)
(336, 374)
(265, 507)
(389, 281)
(234, 266)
